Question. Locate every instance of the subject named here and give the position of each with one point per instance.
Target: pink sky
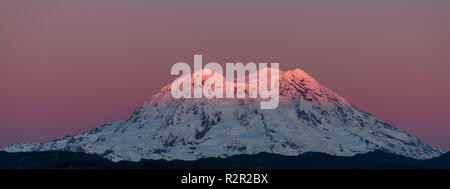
(66, 66)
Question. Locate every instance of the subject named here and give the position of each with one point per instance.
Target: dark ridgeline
(310, 160)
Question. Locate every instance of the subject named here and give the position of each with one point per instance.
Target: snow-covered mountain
(309, 118)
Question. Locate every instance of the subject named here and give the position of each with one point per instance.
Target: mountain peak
(298, 73)
(309, 118)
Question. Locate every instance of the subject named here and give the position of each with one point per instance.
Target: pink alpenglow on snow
(213, 87)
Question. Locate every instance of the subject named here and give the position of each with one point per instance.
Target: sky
(69, 66)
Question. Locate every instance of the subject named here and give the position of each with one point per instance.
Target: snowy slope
(310, 118)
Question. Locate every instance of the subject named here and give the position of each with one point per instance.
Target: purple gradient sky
(71, 66)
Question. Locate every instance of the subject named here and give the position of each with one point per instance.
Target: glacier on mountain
(309, 118)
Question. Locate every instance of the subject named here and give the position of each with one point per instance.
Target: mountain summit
(309, 118)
